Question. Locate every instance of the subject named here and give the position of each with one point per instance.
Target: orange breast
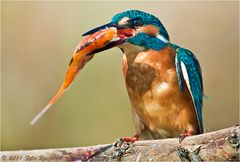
(156, 99)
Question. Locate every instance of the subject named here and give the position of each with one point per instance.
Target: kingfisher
(163, 80)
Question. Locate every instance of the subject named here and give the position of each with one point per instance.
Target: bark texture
(220, 145)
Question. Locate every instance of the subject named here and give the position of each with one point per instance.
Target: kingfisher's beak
(108, 25)
(122, 36)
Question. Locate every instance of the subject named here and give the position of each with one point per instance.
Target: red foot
(123, 145)
(184, 135)
(131, 139)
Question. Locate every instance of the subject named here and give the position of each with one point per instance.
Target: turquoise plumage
(147, 41)
(194, 79)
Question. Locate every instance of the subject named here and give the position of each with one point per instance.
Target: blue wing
(189, 71)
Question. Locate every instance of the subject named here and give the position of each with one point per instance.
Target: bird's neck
(131, 51)
(149, 42)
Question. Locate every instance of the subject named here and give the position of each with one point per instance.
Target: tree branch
(219, 145)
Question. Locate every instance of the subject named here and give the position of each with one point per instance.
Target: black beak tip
(111, 24)
(87, 33)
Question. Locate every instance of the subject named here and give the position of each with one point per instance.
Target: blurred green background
(37, 41)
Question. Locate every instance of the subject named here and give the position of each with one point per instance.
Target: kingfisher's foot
(131, 139)
(181, 137)
(123, 146)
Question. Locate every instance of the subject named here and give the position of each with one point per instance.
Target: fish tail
(71, 73)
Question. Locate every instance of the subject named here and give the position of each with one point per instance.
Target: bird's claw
(181, 137)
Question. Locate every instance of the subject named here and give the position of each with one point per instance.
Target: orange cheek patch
(149, 30)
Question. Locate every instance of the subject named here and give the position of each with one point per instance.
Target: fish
(83, 53)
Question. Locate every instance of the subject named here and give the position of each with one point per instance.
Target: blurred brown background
(38, 39)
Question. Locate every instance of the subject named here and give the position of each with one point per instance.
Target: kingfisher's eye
(135, 22)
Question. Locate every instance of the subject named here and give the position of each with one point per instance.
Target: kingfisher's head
(142, 22)
(137, 28)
